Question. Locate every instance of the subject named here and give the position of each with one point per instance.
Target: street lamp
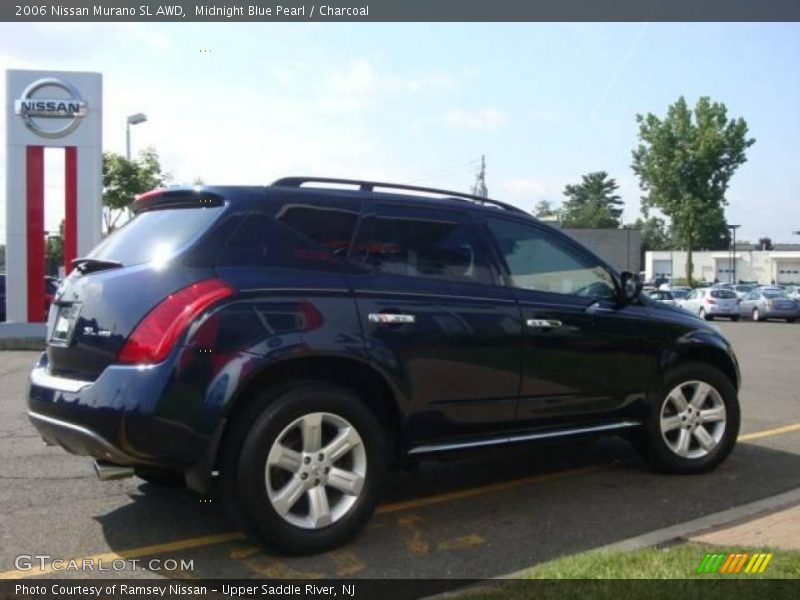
(132, 120)
(732, 264)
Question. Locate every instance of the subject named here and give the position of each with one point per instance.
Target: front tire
(756, 316)
(735, 319)
(693, 422)
(308, 473)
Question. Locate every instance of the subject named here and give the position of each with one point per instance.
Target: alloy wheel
(693, 419)
(316, 470)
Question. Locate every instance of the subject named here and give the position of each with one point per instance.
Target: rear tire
(693, 421)
(291, 484)
(791, 320)
(734, 319)
(757, 316)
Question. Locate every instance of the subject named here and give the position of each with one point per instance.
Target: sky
(421, 102)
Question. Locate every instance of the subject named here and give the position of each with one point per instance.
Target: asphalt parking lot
(477, 517)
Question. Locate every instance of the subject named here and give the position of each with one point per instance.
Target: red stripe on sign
(34, 192)
(71, 207)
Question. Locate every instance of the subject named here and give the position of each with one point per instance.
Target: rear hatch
(780, 301)
(125, 277)
(726, 300)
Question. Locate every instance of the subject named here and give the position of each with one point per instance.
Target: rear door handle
(392, 318)
(543, 323)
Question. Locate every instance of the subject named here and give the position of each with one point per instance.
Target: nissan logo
(39, 105)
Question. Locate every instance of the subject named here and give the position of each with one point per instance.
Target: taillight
(710, 301)
(156, 334)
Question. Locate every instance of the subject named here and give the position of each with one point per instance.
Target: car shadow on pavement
(479, 516)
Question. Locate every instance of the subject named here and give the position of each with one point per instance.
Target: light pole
(132, 120)
(732, 264)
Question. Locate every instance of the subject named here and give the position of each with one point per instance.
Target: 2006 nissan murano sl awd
(301, 338)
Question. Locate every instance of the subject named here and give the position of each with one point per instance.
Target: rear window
(723, 294)
(771, 294)
(155, 235)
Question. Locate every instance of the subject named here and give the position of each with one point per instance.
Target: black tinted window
(538, 260)
(723, 294)
(420, 243)
(295, 235)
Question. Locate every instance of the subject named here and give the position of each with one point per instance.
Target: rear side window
(155, 235)
(295, 235)
(723, 294)
(420, 242)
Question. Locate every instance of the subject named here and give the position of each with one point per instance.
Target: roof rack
(369, 186)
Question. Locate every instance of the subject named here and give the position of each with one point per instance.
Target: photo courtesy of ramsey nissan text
(399, 300)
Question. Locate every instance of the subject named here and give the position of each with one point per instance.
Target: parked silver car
(662, 296)
(793, 291)
(742, 289)
(765, 303)
(712, 302)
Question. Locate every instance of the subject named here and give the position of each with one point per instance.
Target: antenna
(479, 188)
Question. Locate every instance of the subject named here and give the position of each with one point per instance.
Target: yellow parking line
(482, 490)
(757, 435)
(222, 538)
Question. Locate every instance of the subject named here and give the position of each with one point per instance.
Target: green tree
(54, 250)
(123, 179)
(592, 203)
(655, 235)
(544, 208)
(685, 163)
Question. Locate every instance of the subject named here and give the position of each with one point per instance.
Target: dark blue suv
(301, 338)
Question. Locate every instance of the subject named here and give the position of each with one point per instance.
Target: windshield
(679, 294)
(155, 235)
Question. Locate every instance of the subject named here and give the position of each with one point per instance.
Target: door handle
(543, 323)
(391, 318)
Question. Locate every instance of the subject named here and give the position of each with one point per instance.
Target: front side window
(537, 260)
(419, 242)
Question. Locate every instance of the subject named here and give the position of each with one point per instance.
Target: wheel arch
(704, 352)
(372, 387)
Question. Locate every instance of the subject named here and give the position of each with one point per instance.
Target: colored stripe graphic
(733, 563)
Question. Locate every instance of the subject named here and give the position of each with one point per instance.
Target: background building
(780, 265)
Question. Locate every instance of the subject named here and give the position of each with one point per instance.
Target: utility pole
(479, 187)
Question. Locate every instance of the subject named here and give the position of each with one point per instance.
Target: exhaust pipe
(107, 471)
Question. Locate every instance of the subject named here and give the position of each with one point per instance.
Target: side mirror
(631, 286)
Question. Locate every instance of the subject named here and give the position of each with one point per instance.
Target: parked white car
(713, 302)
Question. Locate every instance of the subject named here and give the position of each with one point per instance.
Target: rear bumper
(779, 314)
(127, 416)
(77, 439)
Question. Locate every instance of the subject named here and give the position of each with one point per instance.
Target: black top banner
(401, 10)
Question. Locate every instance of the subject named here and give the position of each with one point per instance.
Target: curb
(21, 344)
(682, 531)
